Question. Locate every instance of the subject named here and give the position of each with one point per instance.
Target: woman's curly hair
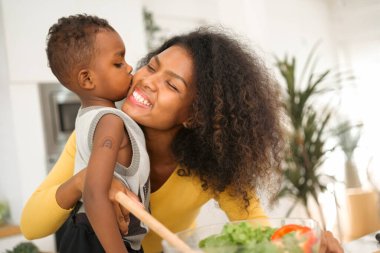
(235, 138)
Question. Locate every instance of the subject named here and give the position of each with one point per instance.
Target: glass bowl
(298, 240)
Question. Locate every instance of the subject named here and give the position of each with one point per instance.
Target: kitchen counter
(365, 244)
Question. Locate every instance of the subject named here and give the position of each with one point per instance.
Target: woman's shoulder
(182, 184)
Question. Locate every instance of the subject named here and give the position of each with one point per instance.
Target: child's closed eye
(118, 65)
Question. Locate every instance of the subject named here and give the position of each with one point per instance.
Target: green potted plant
(307, 131)
(24, 247)
(4, 212)
(151, 28)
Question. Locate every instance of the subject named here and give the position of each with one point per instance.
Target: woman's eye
(172, 86)
(150, 68)
(118, 65)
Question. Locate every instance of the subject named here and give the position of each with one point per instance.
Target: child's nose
(129, 69)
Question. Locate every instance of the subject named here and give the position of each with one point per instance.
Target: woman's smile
(140, 99)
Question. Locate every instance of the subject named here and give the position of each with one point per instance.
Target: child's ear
(85, 80)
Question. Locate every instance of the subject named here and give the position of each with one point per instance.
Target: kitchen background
(348, 32)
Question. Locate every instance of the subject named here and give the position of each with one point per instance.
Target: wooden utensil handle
(152, 223)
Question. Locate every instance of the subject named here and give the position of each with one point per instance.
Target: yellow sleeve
(234, 208)
(42, 215)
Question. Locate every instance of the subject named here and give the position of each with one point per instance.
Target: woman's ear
(85, 80)
(188, 123)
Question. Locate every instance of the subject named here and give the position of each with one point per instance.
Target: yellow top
(176, 204)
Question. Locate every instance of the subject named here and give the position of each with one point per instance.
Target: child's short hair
(70, 44)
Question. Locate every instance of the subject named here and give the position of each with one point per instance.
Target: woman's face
(162, 91)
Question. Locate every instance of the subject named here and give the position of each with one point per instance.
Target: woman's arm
(42, 215)
(50, 205)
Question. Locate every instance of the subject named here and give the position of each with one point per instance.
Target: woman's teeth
(140, 99)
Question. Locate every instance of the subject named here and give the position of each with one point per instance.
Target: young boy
(87, 56)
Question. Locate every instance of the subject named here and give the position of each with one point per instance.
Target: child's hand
(122, 214)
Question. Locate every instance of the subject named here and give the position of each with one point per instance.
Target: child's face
(162, 91)
(110, 72)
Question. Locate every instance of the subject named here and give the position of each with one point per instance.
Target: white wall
(270, 27)
(27, 22)
(358, 36)
(9, 189)
(11, 180)
(182, 16)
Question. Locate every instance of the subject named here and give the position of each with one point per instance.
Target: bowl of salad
(253, 236)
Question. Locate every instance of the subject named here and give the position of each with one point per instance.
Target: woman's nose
(150, 83)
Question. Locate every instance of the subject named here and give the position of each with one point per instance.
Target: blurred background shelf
(9, 230)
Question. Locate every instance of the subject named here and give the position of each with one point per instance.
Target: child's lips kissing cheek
(132, 85)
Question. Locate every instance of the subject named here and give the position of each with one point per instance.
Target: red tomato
(300, 230)
(279, 233)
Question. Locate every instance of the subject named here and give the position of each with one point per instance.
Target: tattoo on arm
(107, 142)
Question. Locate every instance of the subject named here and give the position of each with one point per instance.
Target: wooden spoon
(153, 223)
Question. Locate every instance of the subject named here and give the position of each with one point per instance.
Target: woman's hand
(122, 214)
(329, 244)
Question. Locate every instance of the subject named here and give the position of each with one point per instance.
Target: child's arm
(107, 140)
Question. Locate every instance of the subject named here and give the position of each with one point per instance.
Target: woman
(220, 136)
